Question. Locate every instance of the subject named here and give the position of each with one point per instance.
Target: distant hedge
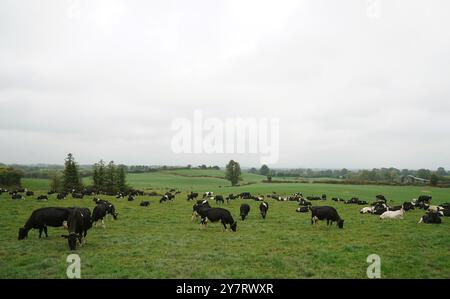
(10, 176)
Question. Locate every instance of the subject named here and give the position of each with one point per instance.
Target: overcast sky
(354, 83)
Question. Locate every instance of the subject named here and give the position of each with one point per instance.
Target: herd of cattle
(79, 220)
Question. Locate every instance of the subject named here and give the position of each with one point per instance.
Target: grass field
(161, 241)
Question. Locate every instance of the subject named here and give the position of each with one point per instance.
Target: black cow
(130, 197)
(245, 209)
(77, 195)
(431, 217)
(200, 205)
(43, 217)
(219, 198)
(110, 209)
(79, 223)
(42, 197)
(99, 213)
(29, 193)
(324, 197)
(302, 209)
(245, 195)
(408, 206)
(192, 196)
(424, 199)
(61, 195)
(16, 196)
(263, 208)
(218, 214)
(144, 203)
(328, 213)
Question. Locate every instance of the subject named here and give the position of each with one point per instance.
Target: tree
(55, 181)
(434, 179)
(424, 173)
(441, 171)
(99, 176)
(10, 176)
(71, 177)
(253, 170)
(110, 174)
(121, 183)
(233, 172)
(264, 170)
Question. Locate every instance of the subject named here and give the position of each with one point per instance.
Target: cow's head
(72, 240)
(340, 223)
(23, 233)
(234, 226)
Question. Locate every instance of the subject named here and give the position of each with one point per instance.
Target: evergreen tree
(110, 175)
(71, 177)
(121, 184)
(264, 170)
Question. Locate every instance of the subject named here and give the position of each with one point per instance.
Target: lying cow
(78, 224)
(326, 213)
(144, 203)
(44, 217)
(367, 210)
(393, 214)
(245, 209)
(431, 218)
(302, 210)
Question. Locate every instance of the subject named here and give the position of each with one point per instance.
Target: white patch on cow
(265, 204)
(421, 220)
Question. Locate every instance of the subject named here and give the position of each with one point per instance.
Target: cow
(201, 204)
(218, 214)
(16, 196)
(167, 197)
(208, 194)
(144, 203)
(130, 197)
(408, 206)
(303, 202)
(324, 197)
(245, 195)
(99, 213)
(395, 208)
(245, 209)
(422, 205)
(263, 208)
(328, 213)
(110, 209)
(61, 195)
(42, 197)
(367, 210)
(78, 224)
(435, 209)
(29, 193)
(219, 198)
(362, 202)
(424, 198)
(380, 208)
(302, 209)
(44, 217)
(393, 214)
(78, 195)
(192, 196)
(381, 198)
(431, 218)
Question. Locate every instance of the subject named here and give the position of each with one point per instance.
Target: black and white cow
(44, 217)
(29, 193)
(192, 196)
(302, 209)
(42, 198)
(144, 203)
(16, 196)
(326, 213)
(78, 224)
(219, 199)
(99, 213)
(218, 214)
(244, 209)
(110, 208)
(431, 217)
(208, 194)
(200, 205)
(263, 208)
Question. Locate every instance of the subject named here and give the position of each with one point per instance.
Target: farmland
(161, 241)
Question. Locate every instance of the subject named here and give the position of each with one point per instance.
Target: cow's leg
(224, 226)
(103, 223)
(40, 232)
(45, 231)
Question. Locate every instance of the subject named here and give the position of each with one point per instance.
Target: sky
(352, 83)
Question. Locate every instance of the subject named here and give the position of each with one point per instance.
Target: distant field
(160, 241)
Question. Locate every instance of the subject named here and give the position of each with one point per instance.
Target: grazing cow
(29, 193)
(367, 210)
(144, 203)
(393, 214)
(408, 206)
(324, 197)
(218, 214)
(44, 217)
(208, 194)
(431, 218)
(263, 208)
(218, 199)
(42, 197)
(328, 213)
(167, 197)
(99, 213)
(245, 209)
(302, 210)
(245, 195)
(16, 196)
(110, 209)
(79, 223)
(200, 205)
(192, 196)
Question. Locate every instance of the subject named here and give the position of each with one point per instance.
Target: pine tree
(121, 184)
(71, 177)
(110, 175)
